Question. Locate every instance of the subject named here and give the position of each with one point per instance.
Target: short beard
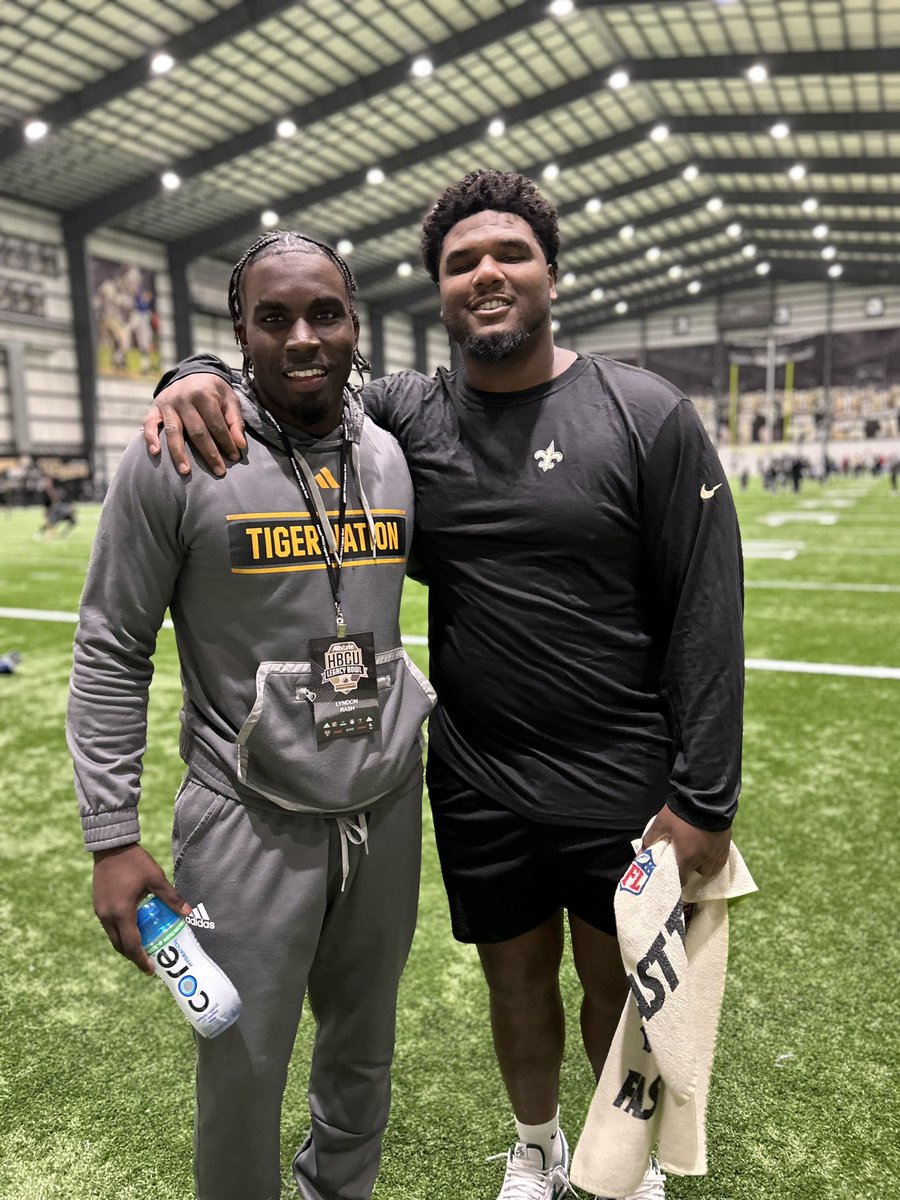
(494, 347)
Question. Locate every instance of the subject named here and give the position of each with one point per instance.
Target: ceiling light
(621, 307)
(797, 172)
(694, 286)
(597, 293)
(675, 271)
(810, 205)
(835, 270)
(35, 130)
(374, 175)
(734, 229)
(170, 181)
(345, 246)
(653, 253)
(550, 172)
(715, 203)
(763, 268)
(690, 172)
(659, 133)
(568, 279)
(593, 205)
(626, 233)
(758, 73)
(404, 269)
(748, 251)
(161, 63)
(497, 127)
(554, 326)
(268, 219)
(422, 67)
(820, 231)
(561, 8)
(286, 128)
(780, 129)
(619, 80)
(829, 251)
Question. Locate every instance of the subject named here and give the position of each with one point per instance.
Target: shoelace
(355, 831)
(651, 1189)
(525, 1181)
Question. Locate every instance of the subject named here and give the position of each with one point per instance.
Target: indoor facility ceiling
(690, 146)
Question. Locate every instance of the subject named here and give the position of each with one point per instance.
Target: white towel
(655, 1082)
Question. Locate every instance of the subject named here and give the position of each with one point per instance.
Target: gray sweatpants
(270, 884)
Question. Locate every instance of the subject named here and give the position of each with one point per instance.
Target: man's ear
(551, 273)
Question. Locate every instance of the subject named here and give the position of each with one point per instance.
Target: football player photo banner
(124, 302)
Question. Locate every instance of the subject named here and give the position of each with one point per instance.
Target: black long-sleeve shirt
(583, 558)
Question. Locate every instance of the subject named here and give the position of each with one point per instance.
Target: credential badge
(635, 878)
(344, 666)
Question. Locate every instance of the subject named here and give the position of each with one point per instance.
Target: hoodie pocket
(277, 751)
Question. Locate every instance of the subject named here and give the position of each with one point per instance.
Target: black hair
(484, 190)
(286, 241)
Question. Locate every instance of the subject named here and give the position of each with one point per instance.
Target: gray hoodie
(239, 564)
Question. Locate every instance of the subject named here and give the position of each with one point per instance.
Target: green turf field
(95, 1075)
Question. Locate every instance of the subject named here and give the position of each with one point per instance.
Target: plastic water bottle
(202, 990)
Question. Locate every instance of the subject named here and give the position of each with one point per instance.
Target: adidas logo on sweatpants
(199, 918)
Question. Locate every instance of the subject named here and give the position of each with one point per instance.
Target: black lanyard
(334, 558)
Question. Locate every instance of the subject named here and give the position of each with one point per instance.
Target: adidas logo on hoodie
(200, 918)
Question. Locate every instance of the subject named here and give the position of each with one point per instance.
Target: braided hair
(286, 241)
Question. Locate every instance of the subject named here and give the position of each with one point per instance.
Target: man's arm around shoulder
(196, 399)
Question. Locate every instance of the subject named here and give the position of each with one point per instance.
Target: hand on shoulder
(203, 408)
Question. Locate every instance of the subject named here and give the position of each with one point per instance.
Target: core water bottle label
(203, 992)
(175, 964)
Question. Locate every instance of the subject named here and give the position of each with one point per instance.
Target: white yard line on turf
(775, 520)
(414, 639)
(37, 614)
(805, 668)
(50, 614)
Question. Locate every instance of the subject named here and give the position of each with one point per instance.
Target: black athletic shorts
(506, 874)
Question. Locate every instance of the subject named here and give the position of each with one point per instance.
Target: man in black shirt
(581, 547)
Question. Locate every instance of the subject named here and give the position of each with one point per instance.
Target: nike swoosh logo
(706, 492)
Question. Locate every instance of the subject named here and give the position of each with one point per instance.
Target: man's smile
(491, 304)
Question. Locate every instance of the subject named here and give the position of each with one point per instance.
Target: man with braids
(580, 543)
(297, 828)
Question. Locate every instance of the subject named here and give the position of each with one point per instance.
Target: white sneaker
(652, 1188)
(529, 1178)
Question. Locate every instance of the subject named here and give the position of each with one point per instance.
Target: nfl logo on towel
(635, 878)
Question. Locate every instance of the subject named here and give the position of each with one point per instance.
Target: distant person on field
(61, 517)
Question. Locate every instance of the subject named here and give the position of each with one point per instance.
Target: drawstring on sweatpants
(355, 830)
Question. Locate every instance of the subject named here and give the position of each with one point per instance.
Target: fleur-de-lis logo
(547, 459)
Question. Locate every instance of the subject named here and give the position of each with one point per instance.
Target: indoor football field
(96, 1070)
